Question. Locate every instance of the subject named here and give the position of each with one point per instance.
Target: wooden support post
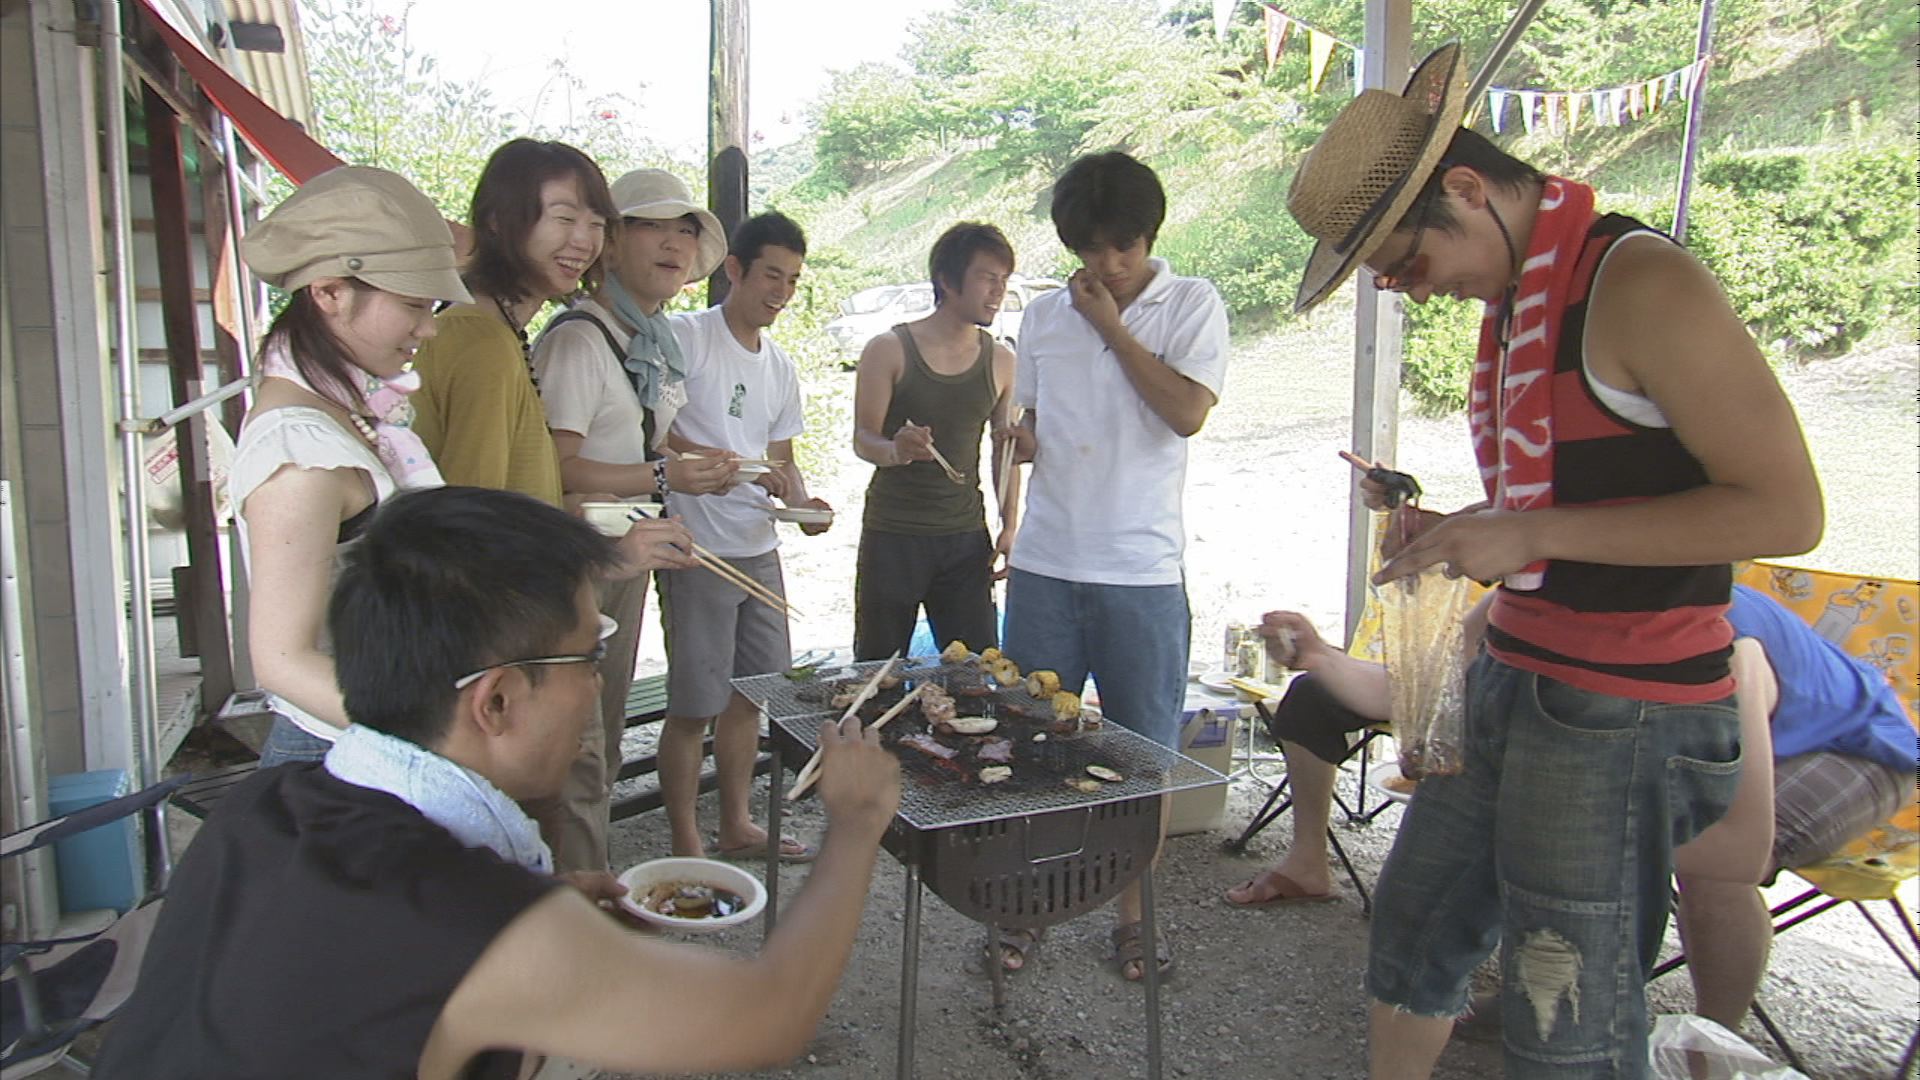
(727, 125)
(173, 238)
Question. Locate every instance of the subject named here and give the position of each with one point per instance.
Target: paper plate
(1377, 778)
(719, 875)
(1219, 681)
(801, 515)
(614, 518)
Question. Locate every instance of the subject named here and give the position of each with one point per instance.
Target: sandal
(1017, 947)
(1127, 949)
(791, 851)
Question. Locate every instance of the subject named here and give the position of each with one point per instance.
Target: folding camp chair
(53, 990)
(1876, 620)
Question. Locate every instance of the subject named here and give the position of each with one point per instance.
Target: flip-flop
(1127, 949)
(1290, 893)
(791, 851)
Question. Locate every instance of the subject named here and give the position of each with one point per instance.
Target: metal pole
(1477, 89)
(1150, 970)
(1696, 111)
(910, 972)
(185, 412)
(142, 690)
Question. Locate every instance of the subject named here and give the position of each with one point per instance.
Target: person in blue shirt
(1839, 758)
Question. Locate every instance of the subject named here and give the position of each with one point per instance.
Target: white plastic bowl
(614, 518)
(719, 875)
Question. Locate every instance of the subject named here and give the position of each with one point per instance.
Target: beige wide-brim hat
(1367, 168)
(658, 195)
(358, 222)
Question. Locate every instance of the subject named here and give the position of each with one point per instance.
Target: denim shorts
(1556, 842)
(1132, 639)
(288, 742)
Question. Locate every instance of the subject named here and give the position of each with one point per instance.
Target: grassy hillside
(1823, 82)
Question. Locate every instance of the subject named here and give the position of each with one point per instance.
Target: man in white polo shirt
(743, 396)
(1116, 372)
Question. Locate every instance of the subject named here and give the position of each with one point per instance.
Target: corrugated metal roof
(279, 79)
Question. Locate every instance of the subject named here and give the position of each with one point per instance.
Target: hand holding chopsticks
(946, 466)
(731, 573)
(872, 687)
(811, 773)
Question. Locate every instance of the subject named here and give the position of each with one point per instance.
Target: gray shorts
(1821, 801)
(716, 632)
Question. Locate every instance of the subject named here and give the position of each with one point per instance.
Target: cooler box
(98, 868)
(1207, 730)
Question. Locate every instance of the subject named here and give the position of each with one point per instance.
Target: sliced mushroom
(994, 774)
(1101, 772)
(1083, 785)
(971, 725)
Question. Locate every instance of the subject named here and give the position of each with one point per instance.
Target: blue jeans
(1132, 639)
(287, 743)
(1557, 842)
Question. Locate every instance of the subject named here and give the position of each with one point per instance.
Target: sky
(655, 52)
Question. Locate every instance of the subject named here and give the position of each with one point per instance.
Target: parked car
(875, 311)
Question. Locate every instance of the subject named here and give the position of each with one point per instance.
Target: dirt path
(1277, 993)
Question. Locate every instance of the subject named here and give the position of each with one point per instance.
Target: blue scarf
(653, 355)
(450, 795)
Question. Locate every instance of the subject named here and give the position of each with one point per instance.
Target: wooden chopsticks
(1006, 461)
(811, 773)
(946, 466)
(811, 770)
(732, 574)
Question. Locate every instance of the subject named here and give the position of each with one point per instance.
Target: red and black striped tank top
(1656, 633)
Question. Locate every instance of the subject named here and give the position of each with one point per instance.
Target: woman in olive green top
(924, 538)
(540, 218)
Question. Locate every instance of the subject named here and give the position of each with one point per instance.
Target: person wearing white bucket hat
(1633, 443)
(363, 255)
(611, 378)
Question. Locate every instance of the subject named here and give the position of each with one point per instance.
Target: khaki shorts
(716, 632)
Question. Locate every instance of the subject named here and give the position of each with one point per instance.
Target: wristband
(660, 479)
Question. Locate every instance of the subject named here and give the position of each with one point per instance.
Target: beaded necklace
(519, 331)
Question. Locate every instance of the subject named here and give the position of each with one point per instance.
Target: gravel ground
(1277, 993)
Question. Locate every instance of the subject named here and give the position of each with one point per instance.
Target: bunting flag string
(1280, 26)
(1559, 111)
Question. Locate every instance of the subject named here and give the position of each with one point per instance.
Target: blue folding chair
(52, 990)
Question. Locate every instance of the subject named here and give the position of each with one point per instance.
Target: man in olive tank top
(926, 385)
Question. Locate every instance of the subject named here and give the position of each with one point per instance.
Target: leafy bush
(1811, 267)
(1250, 249)
(1440, 343)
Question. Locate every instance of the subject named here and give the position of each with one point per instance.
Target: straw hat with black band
(1368, 166)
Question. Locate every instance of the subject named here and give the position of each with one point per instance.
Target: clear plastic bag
(1687, 1047)
(1423, 630)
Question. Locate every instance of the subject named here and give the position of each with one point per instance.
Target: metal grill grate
(934, 795)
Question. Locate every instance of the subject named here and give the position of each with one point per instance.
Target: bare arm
(712, 471)
(293, 522)
(564, 979)
(1179, 401)
(881, 363)
(1701, 368)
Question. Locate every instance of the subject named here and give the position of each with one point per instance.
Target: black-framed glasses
(591, 656)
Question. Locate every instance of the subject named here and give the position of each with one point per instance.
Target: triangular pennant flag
(1527, 99)
(1319, 51)
(1573, 109)
(1617, 101)
(1634, 104)
(1222, 15)
(1553, 113)
(1278, 27)
(1497, 108)
(1359, 69)
(1654, 86)
(1598, 99)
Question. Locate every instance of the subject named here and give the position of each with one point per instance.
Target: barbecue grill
(1026, 853)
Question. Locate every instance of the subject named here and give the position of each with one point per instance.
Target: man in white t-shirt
(1116, 372)
(611, 375)
(742, 396)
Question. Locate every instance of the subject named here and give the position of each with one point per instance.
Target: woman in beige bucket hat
(1633, 443)
(364, 256)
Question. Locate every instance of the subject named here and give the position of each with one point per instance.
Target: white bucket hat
(1367, 168)
(658, 195)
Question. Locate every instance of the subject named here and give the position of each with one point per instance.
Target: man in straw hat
(1633, 442)
(611, 378)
